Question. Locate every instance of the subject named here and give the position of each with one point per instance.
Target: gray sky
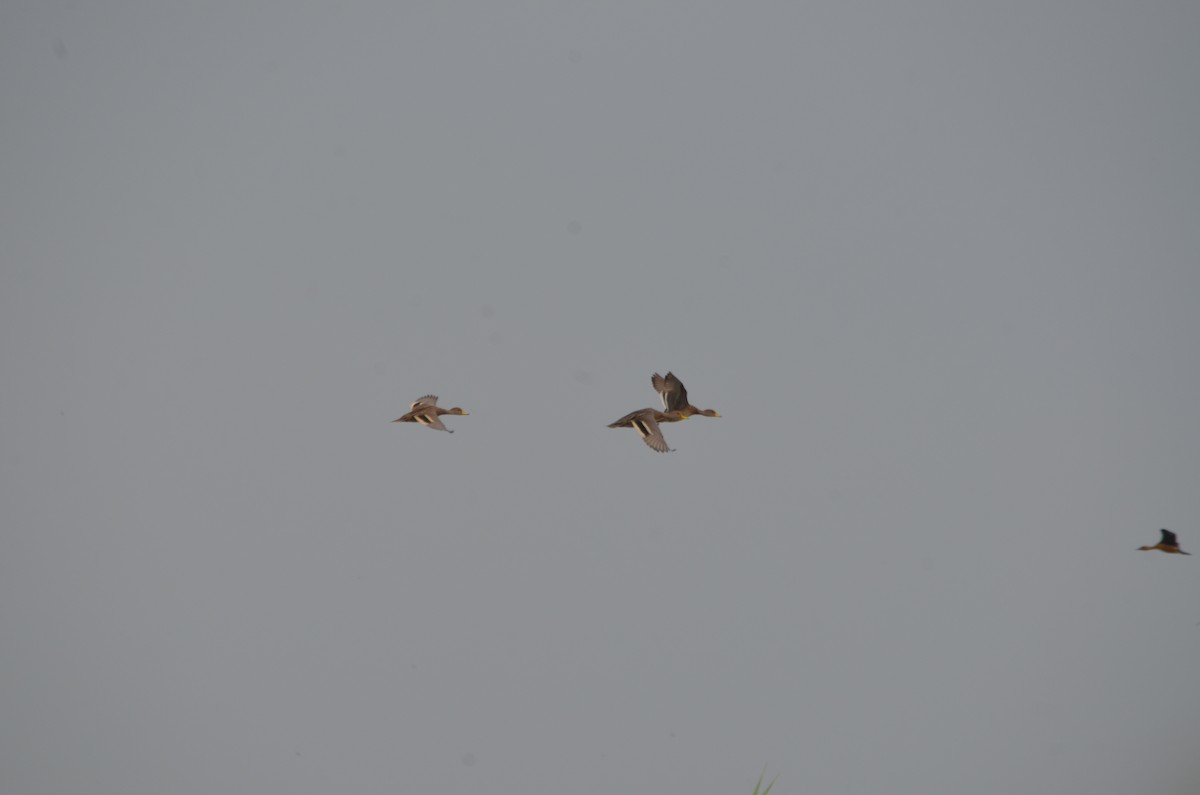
(936, 264)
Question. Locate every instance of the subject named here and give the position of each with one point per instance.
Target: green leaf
(758, 787)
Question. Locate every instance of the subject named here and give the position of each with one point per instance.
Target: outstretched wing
(660, 386)
(424, 400)
(430, 419)
(671, 390)
(1169, 538)
(651, 434)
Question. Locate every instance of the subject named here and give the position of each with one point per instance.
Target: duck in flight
(675, 397)
(645, 422)
(426, 411)
(1169, 544)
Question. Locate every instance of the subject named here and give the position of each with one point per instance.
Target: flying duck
(1168, 544)
(426, 411)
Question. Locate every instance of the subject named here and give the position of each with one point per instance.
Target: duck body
(427, 412)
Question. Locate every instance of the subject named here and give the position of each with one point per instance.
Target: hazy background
(936, 263)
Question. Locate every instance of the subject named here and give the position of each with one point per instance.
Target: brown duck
(426, 411)
(1169, 544)
(645, 422)
(675, 397)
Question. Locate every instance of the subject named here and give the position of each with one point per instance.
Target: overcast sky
(936, 264)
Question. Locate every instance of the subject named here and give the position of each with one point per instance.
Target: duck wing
(430, 419)
(672, 391)
(651, 434)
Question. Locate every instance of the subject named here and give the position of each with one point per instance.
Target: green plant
(758, 790)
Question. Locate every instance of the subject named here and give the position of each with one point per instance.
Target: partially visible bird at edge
(427, 412)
